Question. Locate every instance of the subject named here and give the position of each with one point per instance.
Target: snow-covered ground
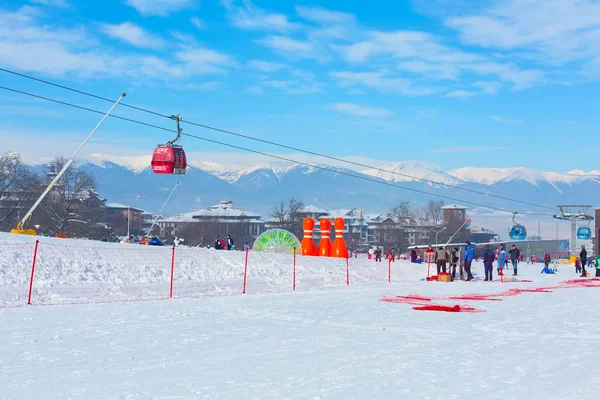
(330, 342)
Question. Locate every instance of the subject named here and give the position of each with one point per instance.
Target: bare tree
(403, 213)
(290, 217)
(64, 208)
(433, 212)
(279, 214)
(19, 187)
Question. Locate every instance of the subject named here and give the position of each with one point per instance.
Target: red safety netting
(15, 277)
(82, 274)
(411, 299)
(443, 308)
(475, 297)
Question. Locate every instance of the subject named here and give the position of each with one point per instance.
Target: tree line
(72, 207)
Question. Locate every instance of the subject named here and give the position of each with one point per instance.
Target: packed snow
(325, 340)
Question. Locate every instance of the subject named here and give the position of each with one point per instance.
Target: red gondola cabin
(169, 160)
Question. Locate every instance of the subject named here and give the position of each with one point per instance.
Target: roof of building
(313, 210)
(186, 217)
(454, 207)
(123, 207)
(223, 209)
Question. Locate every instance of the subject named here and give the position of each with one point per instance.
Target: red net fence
(68, 272)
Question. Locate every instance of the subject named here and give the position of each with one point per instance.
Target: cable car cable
(81, 92)
(264, 141)
(325, 168)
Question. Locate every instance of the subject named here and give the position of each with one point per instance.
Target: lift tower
(574, 214)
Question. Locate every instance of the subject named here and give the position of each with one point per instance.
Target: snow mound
(81, 271)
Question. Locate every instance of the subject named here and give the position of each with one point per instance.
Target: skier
(583, 258)
(440, 260)
(488, 263)
(454, 262)
(229, 242)
(514, 258)
(246, 246)
(218, 243)
(429, 255)
(378, 252)
(501, 256)
(468, 259)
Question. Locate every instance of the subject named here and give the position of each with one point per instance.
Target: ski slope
(330, 342)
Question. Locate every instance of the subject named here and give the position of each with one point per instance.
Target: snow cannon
(20, 231)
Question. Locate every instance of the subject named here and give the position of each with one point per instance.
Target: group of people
(583, 260)
(442, 259)
(224, 244)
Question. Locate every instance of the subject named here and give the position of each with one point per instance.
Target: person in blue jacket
(488, 263)
(501, 256)
(468, 259)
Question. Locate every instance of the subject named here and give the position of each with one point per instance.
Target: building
(203, 225)
(125, 219)
(454, 213)
(482, 235)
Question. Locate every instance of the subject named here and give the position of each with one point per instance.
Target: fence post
(294, 284)
(347, 273)
(389, 269)
(172, 271)
(37, 242)
(245, 272)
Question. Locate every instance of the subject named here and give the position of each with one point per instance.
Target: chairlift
(170, 158)
(518, 231)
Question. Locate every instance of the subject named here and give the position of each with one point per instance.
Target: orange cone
(308, 246)
(339, 249)
(325, 244)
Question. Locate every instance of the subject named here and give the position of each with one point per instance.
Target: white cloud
(198, 23)
(431, 70)
(292, 48)
(404, 45)
(557, 30)
(250, 17)
(488, 87)
(360, 111)
(265, 66)
(159, 7)
(324, 16)
(134, 35)
(505, 121)
(294, 86)
(380, 82)
(29, 44)
(203, 60)
(522, 79)
(204, 86)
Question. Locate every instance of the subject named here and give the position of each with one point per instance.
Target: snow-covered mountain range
(258, 187)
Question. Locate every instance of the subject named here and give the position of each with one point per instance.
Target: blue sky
(503, 83)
